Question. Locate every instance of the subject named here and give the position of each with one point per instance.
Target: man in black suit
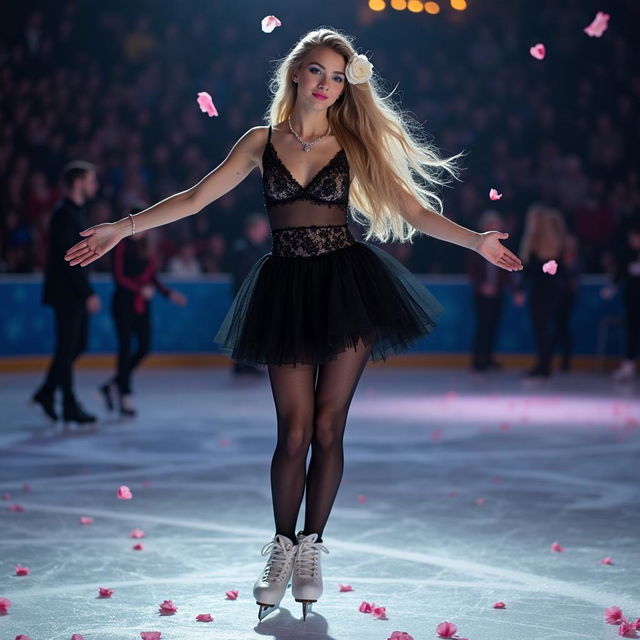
(68, 291)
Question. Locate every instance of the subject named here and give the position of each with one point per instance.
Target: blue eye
(313, 69)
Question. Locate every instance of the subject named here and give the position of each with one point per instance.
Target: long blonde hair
(388, 153)
(545, 233)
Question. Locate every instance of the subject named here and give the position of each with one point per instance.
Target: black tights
(311, 412)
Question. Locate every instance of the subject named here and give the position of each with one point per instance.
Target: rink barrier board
(26, 327)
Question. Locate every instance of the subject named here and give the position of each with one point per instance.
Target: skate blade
(265, 610)
(78, 430)
(307, 607)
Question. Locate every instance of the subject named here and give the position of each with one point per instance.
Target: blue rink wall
(26, 327)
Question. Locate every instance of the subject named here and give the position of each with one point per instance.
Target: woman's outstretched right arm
(242, 159)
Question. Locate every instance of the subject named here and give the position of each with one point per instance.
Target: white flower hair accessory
(358, 69)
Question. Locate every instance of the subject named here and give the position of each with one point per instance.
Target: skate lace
(279, 560)
(308, 556)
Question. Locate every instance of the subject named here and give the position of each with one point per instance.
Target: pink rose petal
(232, 595)
(77, 636)
(204, 617)
(150, 635)
(16, 507)
(344, 587)
(380, 613)
(550, 267)
(538, 51)
(206, 104)
(86, 520)
(499, 605)
(124, 493)
(613, 615)
(167, 608)
(21, 636)
(607, 560)
(555, 546)
(138, 546)
(446, 629)
(104, 593)
(366, 607)
(137, 533)
(269, 23)
(494, 195)
(627, 630)
(22, 571)
(400, 635)
(5, 605)
(598, 26)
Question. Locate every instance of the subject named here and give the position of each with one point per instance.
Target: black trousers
(544, 305)
(563, 338)
(129, 325)
(632, 318)
(488, 309)
(72, 326)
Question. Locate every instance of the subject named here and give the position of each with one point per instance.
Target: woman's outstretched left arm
(487, 244)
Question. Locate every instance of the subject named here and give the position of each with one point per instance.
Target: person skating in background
(69, 292)
(136, 280)
(569, 284)
(627, 276)
(244, 253)
(489, 282)
(543, 240)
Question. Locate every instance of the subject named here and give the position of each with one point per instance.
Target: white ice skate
(271, 585)
(307, 575)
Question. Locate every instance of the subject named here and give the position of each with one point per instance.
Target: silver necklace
(306, 146)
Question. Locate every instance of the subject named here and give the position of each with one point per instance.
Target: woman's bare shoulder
(255, 139)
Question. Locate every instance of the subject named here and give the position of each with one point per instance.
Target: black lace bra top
(323, 202)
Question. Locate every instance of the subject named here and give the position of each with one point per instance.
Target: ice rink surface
(455, 488)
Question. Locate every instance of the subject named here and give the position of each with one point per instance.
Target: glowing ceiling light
(377, 5)
(415, 6)
(459, 5)
(432, 8)
(399, 5)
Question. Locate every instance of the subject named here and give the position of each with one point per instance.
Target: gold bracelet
(133, 225)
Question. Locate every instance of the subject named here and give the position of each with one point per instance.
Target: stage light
(432, 8)
(377, 5)
(399, 5)
(415, 6)
(459, 5)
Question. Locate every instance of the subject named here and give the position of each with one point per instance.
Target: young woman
(321, 304)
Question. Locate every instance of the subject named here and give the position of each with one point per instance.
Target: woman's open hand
(97, 241)
(490, 247)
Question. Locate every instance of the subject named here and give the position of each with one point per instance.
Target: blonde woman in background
(321, 304)
(543, 240)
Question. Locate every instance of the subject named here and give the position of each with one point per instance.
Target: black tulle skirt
(306, 310)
